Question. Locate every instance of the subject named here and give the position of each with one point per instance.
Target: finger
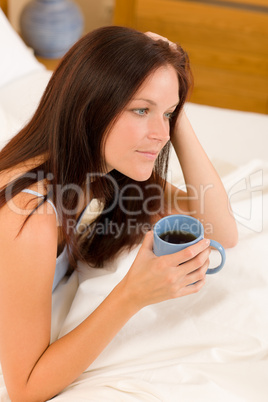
(197, 262)
(190, 288)
(188, 253)
(198, 275)
(155, 36)
(148, 241)
(193, 287)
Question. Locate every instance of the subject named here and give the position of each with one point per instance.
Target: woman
(102, 130)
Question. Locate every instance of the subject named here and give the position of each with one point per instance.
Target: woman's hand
(154, 279)
(156, 37)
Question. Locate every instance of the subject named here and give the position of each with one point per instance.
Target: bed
(212, 346)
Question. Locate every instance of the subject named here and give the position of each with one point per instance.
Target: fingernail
(207, 242)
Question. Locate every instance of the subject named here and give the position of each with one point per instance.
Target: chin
(141, 176)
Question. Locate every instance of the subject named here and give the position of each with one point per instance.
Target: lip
(151, 155)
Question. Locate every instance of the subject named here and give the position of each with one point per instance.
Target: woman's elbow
(230, 238)
(226, 235)
(230, 243)
(24, 395)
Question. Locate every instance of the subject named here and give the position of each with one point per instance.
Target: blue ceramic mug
(176, 232)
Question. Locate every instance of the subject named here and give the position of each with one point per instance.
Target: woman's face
(142, 129)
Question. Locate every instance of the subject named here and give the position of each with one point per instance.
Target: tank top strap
(93, 212)
(80, 217)
(27, 190)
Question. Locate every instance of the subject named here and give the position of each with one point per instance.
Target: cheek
(116, 146)
(125, 136)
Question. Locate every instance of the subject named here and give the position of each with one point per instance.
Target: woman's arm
(206, 197)
(33, 369)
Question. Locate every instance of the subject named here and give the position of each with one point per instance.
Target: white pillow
(16, 58)
(8, 127)
(18, 101)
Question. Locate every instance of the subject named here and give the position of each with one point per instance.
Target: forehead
(163, 80)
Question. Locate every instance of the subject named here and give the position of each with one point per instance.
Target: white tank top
(62, 261)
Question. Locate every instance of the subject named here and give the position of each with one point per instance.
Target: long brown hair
(93, 83)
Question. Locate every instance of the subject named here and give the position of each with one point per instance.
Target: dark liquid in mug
(177, 237)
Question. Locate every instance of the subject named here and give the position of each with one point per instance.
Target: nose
(159, 129)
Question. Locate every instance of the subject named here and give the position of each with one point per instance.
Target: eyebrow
(152, 102)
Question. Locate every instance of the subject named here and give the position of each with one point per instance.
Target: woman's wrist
(127, 298)
(183, 134)
(182, 121)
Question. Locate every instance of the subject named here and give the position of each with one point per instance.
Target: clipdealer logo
(246, 197)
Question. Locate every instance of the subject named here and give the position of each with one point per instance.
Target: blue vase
(51, 27)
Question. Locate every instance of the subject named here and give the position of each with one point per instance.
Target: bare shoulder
(27, 211)
(27, 241)
(18, 208)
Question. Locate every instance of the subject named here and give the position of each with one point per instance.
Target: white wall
(96, 13)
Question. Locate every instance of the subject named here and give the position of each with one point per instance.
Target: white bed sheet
(212, 346)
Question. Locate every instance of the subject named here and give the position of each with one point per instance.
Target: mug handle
(218, 247)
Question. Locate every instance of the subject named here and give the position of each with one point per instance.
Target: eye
(169, 115)
(141, 112)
